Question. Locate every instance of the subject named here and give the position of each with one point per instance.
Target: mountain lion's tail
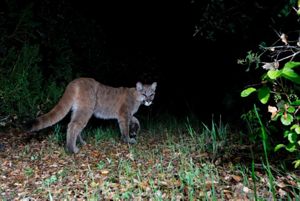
(59, 111)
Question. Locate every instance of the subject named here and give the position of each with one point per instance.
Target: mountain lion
(87, 97)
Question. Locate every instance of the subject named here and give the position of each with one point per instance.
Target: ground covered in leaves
(166, 164)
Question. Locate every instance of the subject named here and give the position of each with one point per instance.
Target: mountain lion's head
(146, 92)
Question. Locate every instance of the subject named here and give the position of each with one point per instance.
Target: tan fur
(87, 97)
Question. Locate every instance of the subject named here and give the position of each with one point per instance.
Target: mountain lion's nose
(147, 103)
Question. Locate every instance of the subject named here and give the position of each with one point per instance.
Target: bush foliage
(279, 87)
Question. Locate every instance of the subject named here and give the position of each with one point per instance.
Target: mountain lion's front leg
(124, 128)
(82, 142)
(134, 127)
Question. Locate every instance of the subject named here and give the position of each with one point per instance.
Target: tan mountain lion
(87, 97)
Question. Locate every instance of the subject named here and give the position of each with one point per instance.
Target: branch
(287, 57)
(282, 47)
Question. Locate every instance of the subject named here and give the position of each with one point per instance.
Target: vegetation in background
(21, 82)
(36, 57)
(215, 18)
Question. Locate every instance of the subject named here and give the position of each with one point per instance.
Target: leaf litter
(155, 168)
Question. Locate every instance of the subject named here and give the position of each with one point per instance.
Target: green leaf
(279, 146)
(247, 92)
(291, 109)
(286, 119)
(264, 76)
(264, 94)
(297, 163)
(292, 137)
(296, 103)
(273, 74)
(286, 133)
(296, 127)
(291, 64)
(291, 147)
(290, 74)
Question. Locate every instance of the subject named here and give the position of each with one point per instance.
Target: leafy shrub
(33, 72)
(279, 88)
(20, 81)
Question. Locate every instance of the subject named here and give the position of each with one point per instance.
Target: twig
(293, 55)
(4, 118)
(282, 47)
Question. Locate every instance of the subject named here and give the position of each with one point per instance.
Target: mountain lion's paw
(72, 150)
(129, 140)
(132, 141)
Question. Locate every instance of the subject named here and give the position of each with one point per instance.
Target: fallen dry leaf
(236, 178)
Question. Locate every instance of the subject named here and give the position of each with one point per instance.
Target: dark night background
(121, 42)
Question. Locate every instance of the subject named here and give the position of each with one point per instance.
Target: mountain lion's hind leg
(79, 119)
(134, 127)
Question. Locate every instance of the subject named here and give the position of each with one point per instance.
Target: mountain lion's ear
(139, 86)
(153, 86)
